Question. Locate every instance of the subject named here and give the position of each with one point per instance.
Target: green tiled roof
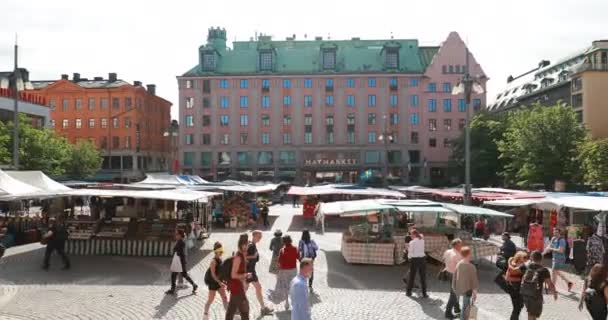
(304, 57)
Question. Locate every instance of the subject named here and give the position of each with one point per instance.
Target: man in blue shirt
(298, 292)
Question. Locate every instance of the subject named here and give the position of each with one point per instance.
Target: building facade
(578, 81)
(125, 121)
(317, 110)
(33, 106)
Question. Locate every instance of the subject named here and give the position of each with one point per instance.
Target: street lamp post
(17, 85)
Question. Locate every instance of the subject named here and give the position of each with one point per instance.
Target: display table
(482, 249)
(368, 253)
(120, 247)
(435, 245)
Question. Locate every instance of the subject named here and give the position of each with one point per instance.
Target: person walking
(55, 239)
(533, 279)
(298, 292)
(178, 265)
(275, 246)
(508, 248)
(213, 282)
(264, 213)
(295, 201)
(596, 248)
(288, 258)
(451, 258)
(253, 256)
(558, 261)
(480, 227)
(595, 293)
(417, 257)
(465, 282)
(236, 284)
(308, 248)
(513, 277)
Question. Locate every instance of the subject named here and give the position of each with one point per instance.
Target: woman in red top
(236, 284)
(288, 258)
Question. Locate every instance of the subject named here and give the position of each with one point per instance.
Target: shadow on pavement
(431, 307)
(332, 223)
(167, 303)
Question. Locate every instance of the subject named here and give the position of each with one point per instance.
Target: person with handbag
(213, 281)
(308, 249)
(451, 258)
(465, 282)
(178, 264)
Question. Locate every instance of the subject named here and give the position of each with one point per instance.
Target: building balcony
(23, 96)
(591, 67)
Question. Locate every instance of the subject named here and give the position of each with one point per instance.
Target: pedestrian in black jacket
(55, 239)
(179, 263)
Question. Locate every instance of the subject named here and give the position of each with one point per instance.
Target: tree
(486, 130)
(84, 160)
(540, 146)
(594, 162)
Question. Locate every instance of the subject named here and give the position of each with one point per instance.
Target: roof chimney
(543, 63)
(318, 38)
(152, 89)
(98, 78)
(510, 79)
(64, 77)
(76, 77)
(137, 83)
(112, 77)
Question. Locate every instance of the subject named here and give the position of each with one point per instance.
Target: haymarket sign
(330, 162)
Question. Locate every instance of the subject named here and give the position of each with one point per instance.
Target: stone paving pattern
(105, 287)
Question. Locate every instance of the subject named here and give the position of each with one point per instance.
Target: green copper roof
(304, 57)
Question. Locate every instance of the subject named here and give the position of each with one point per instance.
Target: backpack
(225, 269)
(310, 250)
(530, 284)
(594, 301)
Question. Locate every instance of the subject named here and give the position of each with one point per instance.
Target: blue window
(414, 119)
(462, 107)
(350, 100)
(371, 82)
(447, 87)
(432, 87)
(447, 105)
(244, 101)
(329, 83)
(371, 100)
(476, 104)
(350, 83)
(307, 83)
(265, 102)
(371, 137)
(244, 83)
(224, 102)
(393, 100)
(265, 83)
(329, 101)
(189, 121)
(286, 101)
(286, 83)
(224, 84)
(223, 120)
(244, 120)
(308, 101)
(413, 82)
(414, 100)
(432, 104)
(393, 82)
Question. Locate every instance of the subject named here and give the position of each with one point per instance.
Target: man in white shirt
(451, 258)
(417, 257)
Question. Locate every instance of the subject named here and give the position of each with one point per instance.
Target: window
(286, 138)
(115, 123)
(432, 103)
(244, 83)
(392, 58)
(265, 102)
(287, 157)
(413, 138)
(189, 138)
(462, 107)
(188, 159)
(188, 84)
(206, 120)
(461, 124)
(286, 120)
(52, 104)
(371, 137)
(350, 119)
(329, 85)
(92, 123)
(189, 121)
(104, 142)
(104, 123)
(286, 101)
(224, 158)
(350, 83)
(128, 103)
(78, 103)
(457, 68)
(206, 139)
(350, 137)
(414, 156)
(432, 125)
(413, 82)
(286, 83)
(476, 104)
(224, 119)
(577, 100)
(115, 104)
(393, 100)
(265, 138)
(308, 101)
(394, 157)
(330, 137)
(265, 120)
(451, 69)
(579, 116)
(432, 87)
(394, 118)
(329, 119)
(414, 119)
(308, 119)
(224, 102)
(307, 83)
(372, 156)
(225, 138)
(206, 159)
(329, 59)
(189, 102)
(265, 158)
(371, 82)
(244, 120)
(127, 122)
(224, 84)
(104, 103)
(329, 101)
(91, 103)
(307, 137)
(206, 102)
(447, 105)
(432, 142)
(350, 100)
(371, 100)
(244, 137)
(577, 84)
(65, 104)
(78, 123)
(371, 118)
(243, 158)
(447, 87)
(52, 124)
(209, 62)
(414, 100)
(393, 83)
(446, 143)
(116, 142)
(266, 61)
(244, 101)
(447, 124)
(444, 69)
(265, 84)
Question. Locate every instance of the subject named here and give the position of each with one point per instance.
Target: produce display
(236, 207)
(81, 230)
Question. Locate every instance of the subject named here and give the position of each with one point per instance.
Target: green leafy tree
(540, 145)
(486, 130)
(5, 139)
(594, 162)
(84, 160)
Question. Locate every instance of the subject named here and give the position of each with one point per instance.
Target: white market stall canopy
(13, 189)
(169, 179)
(344, 190)
(38, 179)
(175, 194)
(250, 188)
(557, 201)
(346, 207)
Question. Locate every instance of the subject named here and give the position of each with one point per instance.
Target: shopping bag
(472, 312)
(176, 264)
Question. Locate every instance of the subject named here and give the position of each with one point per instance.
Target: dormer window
(329, 59)
(266, 60)
(209, 61)
(392, 58)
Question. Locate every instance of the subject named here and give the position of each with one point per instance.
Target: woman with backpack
(595, 293)
(308, 249)
(213, 281)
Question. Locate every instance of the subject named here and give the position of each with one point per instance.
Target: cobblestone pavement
(104, 287)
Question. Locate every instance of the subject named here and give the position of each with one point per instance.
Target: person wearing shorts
(558, 262)
(213, 282)
(253, 256)
(534, 304)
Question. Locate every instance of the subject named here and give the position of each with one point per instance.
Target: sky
(155, 41)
